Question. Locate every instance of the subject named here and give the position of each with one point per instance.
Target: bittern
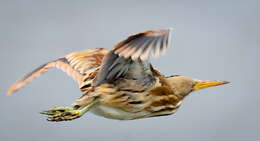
(121, 83)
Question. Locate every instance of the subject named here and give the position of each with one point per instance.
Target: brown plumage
(121, 83)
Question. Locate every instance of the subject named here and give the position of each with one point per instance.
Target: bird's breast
(113, 112)
(117, 113)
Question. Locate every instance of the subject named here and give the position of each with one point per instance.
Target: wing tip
(170, 29)
(169, 37)
(9, 92)
(12, 89)
(164, 33)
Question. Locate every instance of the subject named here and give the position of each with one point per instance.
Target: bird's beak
(205, 84)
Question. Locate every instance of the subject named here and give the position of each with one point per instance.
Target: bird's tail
(60, 63)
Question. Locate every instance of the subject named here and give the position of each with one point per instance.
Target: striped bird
(121, 83)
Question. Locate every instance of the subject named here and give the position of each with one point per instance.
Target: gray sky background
(213, 40)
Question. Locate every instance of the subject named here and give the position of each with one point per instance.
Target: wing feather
(130, 56)
(136, 45)
(78, 65)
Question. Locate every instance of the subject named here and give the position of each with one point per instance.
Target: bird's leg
(68, 113)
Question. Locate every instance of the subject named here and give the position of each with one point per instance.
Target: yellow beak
(205, 84)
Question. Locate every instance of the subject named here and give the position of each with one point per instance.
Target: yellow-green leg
(67, 113)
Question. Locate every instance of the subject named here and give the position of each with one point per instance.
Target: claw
(66, 116)
(56, 110)
(63, 113)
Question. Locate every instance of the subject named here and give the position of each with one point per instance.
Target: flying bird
(121, 83)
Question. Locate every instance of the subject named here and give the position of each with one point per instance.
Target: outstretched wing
(78, 65)
(129, 58)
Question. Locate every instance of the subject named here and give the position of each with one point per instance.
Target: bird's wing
(129, 58)
(77, 65)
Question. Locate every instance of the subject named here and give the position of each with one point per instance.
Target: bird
(121, 83)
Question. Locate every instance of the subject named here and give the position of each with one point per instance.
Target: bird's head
(183, 85)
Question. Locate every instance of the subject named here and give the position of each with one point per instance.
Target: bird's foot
(63, 113)
(57, 110)
(68, 113)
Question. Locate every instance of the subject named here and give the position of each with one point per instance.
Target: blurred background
(212, 40)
